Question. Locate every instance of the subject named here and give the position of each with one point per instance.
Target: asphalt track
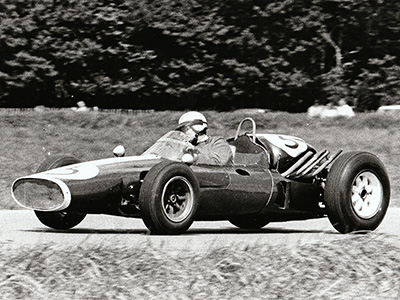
(21, 227)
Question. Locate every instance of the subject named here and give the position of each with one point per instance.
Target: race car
(273, 178)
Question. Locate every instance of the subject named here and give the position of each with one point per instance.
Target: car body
(273, 178)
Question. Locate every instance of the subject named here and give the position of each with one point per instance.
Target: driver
(206, 149)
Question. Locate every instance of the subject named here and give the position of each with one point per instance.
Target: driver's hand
(191, 150)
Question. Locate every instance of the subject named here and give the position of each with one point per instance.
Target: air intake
(41, 194)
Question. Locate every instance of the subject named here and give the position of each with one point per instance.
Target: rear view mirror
(119, 151)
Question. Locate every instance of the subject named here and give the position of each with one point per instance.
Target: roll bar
(253, 130)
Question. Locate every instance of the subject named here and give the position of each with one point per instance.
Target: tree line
(192, 54)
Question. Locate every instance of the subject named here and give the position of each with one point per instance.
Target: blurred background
(216, 55)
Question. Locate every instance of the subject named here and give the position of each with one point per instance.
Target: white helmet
(197, 121)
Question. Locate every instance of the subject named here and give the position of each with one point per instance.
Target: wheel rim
(177, 199)
(367, 195)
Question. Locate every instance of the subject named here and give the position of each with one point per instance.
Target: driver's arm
(216, 151)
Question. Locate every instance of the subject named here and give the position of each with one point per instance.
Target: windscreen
(171, 146)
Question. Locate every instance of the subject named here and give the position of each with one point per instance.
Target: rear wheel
(357, 192)
(168, 198)
(246, 222)
(58, 219)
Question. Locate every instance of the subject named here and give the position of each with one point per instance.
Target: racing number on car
(291, 145)
(83, 172)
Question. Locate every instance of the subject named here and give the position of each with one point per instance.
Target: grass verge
(352, 268)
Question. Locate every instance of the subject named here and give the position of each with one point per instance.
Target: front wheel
(58, 219)
(169, 198)
(357, 192)
(245, 222)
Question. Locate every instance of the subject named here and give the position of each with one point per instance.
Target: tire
(357, 192)
(246, 222)
(58, 219)
(169, 198)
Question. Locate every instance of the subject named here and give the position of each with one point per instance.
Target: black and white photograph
(197, 149)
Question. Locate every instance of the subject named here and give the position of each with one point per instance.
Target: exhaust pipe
(327, 163)
(297, 165)
(311, 163)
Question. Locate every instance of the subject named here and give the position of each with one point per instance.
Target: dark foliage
(284, 55)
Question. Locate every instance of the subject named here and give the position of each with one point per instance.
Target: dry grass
(353, 268)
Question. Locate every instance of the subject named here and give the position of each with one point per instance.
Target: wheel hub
(172, 199)
(177, 199)
(364, 194)
(367, 195)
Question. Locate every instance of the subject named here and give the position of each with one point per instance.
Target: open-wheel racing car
(273, 178)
